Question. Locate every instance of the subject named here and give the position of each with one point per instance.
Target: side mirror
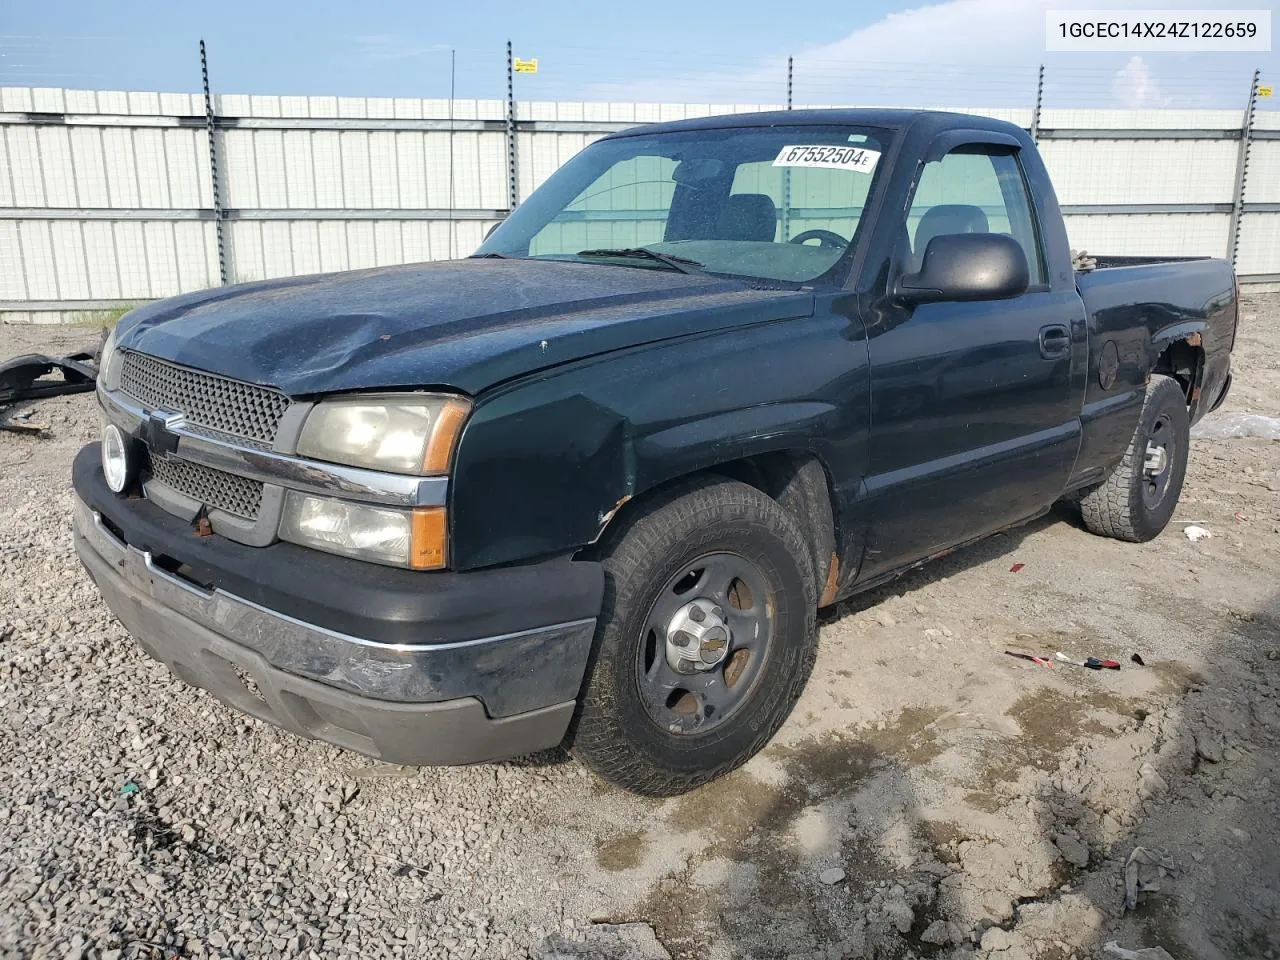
(967, 266)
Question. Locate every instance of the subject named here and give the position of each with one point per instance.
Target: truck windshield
(777, 204)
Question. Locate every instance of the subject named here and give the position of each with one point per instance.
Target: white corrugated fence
(108, 197)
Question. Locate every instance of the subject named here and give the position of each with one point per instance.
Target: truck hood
(464, 324)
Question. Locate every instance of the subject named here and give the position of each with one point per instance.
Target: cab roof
(925, 121)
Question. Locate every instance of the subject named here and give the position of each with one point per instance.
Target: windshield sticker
(833, 158)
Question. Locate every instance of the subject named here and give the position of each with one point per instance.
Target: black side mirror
(967, 266)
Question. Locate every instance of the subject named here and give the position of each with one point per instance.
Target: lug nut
(696, 614)
(680, 638)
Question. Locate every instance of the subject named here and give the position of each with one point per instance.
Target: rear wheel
(705, 640)
(1137, 499)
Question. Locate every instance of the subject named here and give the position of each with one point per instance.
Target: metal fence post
(219, 225)
(1035, 114)
(453, 92)
(786, 172)
(511, 131)
(1242, 171)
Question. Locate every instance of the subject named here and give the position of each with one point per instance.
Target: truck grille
(216, 403)
(214, 488)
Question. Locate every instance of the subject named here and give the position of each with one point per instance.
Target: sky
(955, 52)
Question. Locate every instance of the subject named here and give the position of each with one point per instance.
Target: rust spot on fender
(833, 575)
(606, 517)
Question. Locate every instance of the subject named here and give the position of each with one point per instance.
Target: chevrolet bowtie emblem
(156, 434)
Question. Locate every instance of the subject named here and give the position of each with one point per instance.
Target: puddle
(624, 853)
(1050, 722)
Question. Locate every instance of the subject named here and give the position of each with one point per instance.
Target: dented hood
(466, 324)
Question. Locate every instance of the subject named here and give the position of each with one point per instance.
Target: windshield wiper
(683, 264)
(492, 256)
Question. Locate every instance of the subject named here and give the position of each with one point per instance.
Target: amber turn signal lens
(428, 541)
(444, 436)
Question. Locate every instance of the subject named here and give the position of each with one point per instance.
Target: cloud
(903, 57)
(959, 53)
(1134, 86)
(385, 46)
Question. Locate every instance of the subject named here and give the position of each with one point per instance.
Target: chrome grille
(217, 403)
(214, 488)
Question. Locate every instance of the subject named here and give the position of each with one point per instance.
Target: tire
(1132, 504)
(691, 538)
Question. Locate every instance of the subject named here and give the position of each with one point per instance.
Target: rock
(1208, 746)
(942, 932)
(833, 875)
(605, 941)
(997, 939)
(900, 915)
(1072, 850)
(1150, 783)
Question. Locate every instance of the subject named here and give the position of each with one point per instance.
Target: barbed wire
(576, 72)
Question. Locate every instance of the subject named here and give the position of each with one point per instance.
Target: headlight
(404, 538)
(406, 434)
(109, 362)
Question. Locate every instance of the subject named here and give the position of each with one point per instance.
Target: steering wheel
(827, 239)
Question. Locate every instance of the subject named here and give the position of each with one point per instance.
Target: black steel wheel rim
(1162, 438)
(697, 702)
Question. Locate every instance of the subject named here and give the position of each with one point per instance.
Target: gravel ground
(930, 797)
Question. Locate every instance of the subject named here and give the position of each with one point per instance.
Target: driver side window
(974, 189)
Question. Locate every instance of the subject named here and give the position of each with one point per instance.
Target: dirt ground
(977, 805)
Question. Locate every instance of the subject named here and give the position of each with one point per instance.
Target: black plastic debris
(22, 378)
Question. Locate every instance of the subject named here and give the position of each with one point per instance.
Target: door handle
(1055, 341)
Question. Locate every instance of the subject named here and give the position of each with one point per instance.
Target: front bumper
(457, 701)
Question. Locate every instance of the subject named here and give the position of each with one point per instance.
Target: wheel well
(797, 480)
(1183, 360)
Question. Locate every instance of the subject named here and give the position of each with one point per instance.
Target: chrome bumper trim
(296, 473)
(510, 674)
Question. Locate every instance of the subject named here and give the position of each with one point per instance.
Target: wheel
(706, 638)
(827, 239)
(1137, 499)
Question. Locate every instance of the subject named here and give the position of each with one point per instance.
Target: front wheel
(705, 641)
(1137, 499)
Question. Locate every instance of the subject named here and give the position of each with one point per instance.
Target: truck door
(974, 423)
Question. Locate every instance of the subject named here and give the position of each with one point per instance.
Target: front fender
(544, 464)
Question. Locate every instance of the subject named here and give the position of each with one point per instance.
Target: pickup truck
(590, 486)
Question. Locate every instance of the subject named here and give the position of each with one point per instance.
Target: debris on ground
(1235, 424)
(1143, 872)
(1038, 660)
(22, 378)
(1016, 567)
(1089, 663)
(1142, 953)
(1195, 534)
(603, 941)
(832, 875)
(22, 423)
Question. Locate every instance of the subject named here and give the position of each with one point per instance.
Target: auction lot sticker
(831, 157)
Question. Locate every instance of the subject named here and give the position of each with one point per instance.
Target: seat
(947, 218)
(747, 216)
